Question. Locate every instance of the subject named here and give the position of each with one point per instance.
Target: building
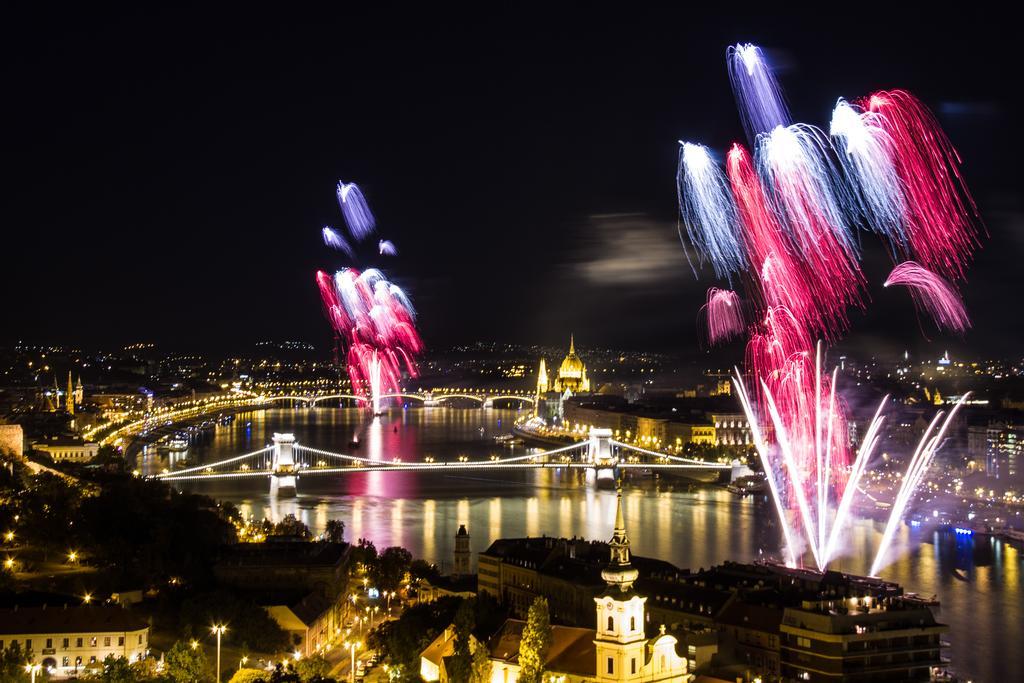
(461, 560)
(311, 621)
(285, 565)
(997, 447)
(860, 639)
(12, 440)
(68, 448)
(66, 640)
(571, 379)
(618, 649)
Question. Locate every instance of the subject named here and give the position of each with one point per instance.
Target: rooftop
(79, 619)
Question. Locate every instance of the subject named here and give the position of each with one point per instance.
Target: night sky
(168, 174)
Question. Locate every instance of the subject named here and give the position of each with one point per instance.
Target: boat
(178, 444)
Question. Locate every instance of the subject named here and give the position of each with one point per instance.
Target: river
(977, 579)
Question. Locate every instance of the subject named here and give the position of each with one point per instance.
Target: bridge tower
(282, 479)
(599, 453)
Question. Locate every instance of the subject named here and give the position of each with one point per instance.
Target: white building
(70, 449)
(66, 640)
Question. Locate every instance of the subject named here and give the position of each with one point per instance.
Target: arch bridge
(428, 398)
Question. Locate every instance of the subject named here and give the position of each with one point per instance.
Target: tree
(335, 531)
(12, 664)
(290, 525)
(460, 663)
(312, 667)
(392, 566)
(480, 670)
(115, 670)
(533, 646)
(249, 676)
(185, 665)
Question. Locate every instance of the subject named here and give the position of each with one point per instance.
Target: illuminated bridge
(285, 461)
(433, 397)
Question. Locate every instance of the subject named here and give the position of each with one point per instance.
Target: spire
(69, 397)
(619, 573)
(572, 345)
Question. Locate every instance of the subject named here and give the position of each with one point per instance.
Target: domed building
(570, 379)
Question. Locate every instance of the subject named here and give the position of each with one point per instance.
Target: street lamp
(87, 598)
(242, 661)
(33, 669)
(72, 557)
(218, 630)
(352, 646)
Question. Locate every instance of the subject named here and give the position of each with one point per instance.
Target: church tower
(620, 640)
(69, 397)
(460, 566)
(624, 653)
(79, 392)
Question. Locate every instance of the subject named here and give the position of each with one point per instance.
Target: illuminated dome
(572, 373)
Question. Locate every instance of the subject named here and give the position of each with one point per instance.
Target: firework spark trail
(942, 219)
(723, 315)
(866, 152)
(919, 464)
(387, 248)
(777, 278)
(333, 239)
(758, 95)
(807, 193)
(376, 320)
(707, 209)
(931, 294)
(357, 213)
(809, 426)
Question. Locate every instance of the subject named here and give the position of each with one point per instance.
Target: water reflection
(977, 578)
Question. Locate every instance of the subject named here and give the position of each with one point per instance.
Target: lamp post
(352, 646)
(218, 630)
(33, 669)
(242, 661)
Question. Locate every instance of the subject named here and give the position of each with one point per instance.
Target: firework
(866, 152)
(723, 315)
(387, 248)
(786, 221)
(932, 295)
(758, 95)
(805, 190)
(333, 239)
(707, 209)
(357, 214)
(919, 464)
(372, 316)
(941, 216)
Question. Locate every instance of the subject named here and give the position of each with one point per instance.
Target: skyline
(554, 171)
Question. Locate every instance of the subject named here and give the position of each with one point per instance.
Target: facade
(66, 640)
(68, 449)
(860, 639)
(461, 560)
(997, 447)
(285, 565)
(12, 440)
(311, 622)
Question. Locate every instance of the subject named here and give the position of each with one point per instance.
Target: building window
(49, 643)
(611, 666)
(28, 643)
(632, 666)
(65, 662)
(140, 639)
(611, 624)
(120, 641)
(632, 623)
(106, 642)
(78, 642)
(67, 641)
(92, 642)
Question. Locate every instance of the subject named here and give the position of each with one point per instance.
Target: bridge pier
(599, 453)
(282, 479)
